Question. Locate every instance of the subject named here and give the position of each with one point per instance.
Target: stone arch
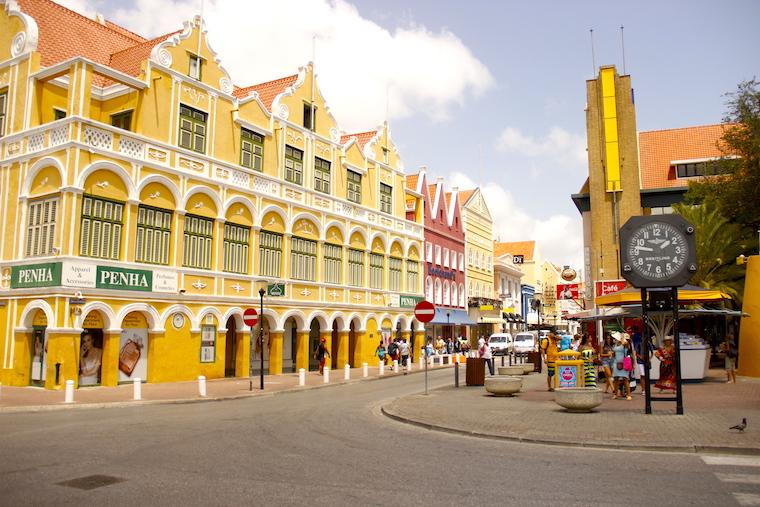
(362, 233)
(404, 320)
(300, 319)
(205, 191)
(108, 314)
(308, 217)
(235, 312)
(152, 315)
(162, 180)
(41, 164)
(338, 225)
(340, 319)
(357, 321)
(412, 245)
(206, 310)
(274, 209)
(116, 169)
(383, 241)
(324, 320)
(181, 309)
(238, 199)
(29, 310)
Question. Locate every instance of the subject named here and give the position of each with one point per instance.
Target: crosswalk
(746, 485)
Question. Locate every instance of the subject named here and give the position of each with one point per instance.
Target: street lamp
(448, 324)
(261, 336)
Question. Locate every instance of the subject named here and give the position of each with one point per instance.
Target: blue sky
(487, 93)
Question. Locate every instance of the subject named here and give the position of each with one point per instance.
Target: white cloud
(559, 237)
(359, 63)
(558, 144)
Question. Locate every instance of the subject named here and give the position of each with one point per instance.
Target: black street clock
(658, 251)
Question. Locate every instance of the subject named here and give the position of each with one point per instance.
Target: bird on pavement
(740, 426)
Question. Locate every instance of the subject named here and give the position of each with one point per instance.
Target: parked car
(501, 344)
(524, 342)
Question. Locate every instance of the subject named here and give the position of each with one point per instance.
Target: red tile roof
(411, 180)
(464, 195)
(362, 138)
(658, 148)
(431, 192)
(120, 29)
(448, 200)
(129, 60)
(524, 248)
(267, 91)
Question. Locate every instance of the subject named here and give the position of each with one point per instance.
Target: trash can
(476, 371)
(535, 358)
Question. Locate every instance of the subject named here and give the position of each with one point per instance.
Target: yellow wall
(749, 334)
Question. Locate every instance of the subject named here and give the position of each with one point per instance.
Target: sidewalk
(27, 399)
(710, 408)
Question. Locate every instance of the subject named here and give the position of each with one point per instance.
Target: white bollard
(395, 366)
(202, 385)
(69, 395)
(365, 370)
(381, 365)
(347, 372)
(422, 362)
(302, 377)
(136, 389)
(326, 375)
(408, 364)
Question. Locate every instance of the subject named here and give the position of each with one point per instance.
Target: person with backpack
(393, 351)
(732, 352)
(380, 352)
(320, 354)
(404, 351)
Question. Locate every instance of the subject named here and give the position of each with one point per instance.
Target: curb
(182, 401)
(693, 449)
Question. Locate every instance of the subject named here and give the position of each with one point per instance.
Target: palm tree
(718, 246)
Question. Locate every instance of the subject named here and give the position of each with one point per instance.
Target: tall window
(376, 268)
(309, 116)
(333, 262)
(412, 276)
(429, 289)
(40, 231)
(428, 251)
(121, 120)
(251, 149)
(453, 260)
(153, 233)
(270, 254)
(462, 296)
(461, 261)
(445, 257)
(354, 187)
(355, 268)
(321, 175)
(3, 106)
(394, 274)
(438, 291)
(438, 254)
(101, 227)
(386, 198)
(235, 249)
(195, 67)
(454, 298)
(198, 240)
(293, 165)
(303, 259)
(446, 293)
(192, 129)
(469, 256)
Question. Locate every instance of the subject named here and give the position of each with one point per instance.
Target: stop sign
(250, 317)
(424, 311)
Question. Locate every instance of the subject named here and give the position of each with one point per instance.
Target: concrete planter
(511, 370)
(503, 386)
(578, 399)
(527, 368)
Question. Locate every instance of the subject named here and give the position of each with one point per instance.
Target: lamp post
(448, 324)
(261, 336)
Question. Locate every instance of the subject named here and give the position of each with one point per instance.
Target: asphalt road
(326, 447)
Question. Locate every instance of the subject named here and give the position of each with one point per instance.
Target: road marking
(747, 498)
(738, 461)
(742, 478)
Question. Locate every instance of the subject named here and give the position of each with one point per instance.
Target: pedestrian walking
(404, 351)
(622, 366)
(731, 351)
(380, 351)
(607, 356)
(589, 355)
(320, 354)
(485, 353)
(549, 353)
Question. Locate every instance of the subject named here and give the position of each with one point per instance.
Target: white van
(524, 342)
(501, 344)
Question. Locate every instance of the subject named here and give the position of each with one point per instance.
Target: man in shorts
(549, 352)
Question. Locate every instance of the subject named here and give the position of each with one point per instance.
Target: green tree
(717, 249)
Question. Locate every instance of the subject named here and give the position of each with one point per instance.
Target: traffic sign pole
(250, 317)
(425, 312)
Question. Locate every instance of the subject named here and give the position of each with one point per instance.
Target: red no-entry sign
(424, 311)
(250, 317)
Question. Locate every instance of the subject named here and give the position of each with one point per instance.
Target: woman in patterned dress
(588, 354)
(667, 356)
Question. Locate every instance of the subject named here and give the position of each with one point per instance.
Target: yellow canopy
(686, 294)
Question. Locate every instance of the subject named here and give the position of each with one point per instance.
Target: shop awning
(491, 320)
(455, 317)
(686, 294)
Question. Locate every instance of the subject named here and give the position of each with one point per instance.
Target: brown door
(229, 350)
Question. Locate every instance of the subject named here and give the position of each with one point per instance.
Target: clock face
(178, 320)
(657, 251)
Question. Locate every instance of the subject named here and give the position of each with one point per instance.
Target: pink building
(444, 256)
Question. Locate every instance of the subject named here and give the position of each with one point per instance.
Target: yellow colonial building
(147, 201)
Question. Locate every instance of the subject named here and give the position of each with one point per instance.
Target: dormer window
(195, 67)
(385, 155)
(309, 116)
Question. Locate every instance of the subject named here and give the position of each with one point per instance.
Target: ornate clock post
(658, 252)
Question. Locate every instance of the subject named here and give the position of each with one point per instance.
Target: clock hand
(663, 245)
(645, 248)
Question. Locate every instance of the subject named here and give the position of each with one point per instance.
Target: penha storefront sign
(36, 275)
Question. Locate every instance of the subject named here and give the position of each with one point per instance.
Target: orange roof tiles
(129, 60)
(464, 195)
(658, 148)
(448, 200)
(362, 138)
(120, 29)
(524, 248)
(267, 91)
(411, 180)
(431, 192)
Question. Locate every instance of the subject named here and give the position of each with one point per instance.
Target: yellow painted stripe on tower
(609, 116)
